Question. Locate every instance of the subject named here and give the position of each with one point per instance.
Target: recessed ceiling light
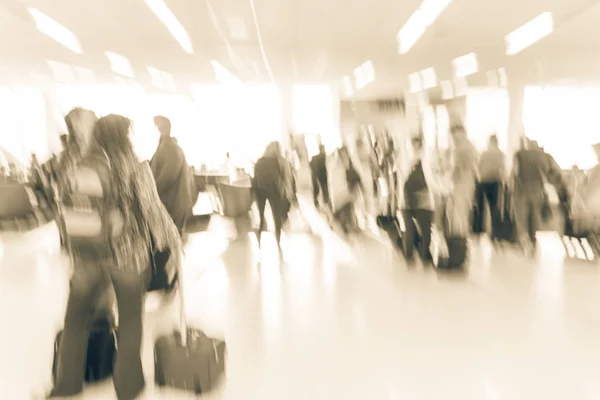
(119, 64)
(465, 65)
(423, 17)
(223, 75)
(364, 74)
(428, 78)
(414, 82)
(55, 31)
(166, 16)
(530, 33)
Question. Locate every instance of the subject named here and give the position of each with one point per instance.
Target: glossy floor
(341, 320)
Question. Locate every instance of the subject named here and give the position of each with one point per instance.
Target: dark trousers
(278, 208)
(528, 209)
(319, 183)
(490, 192)
(424, 219)
(89, 282)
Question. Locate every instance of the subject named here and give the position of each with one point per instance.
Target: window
(564, 121)
(487, 113)
(314, 112)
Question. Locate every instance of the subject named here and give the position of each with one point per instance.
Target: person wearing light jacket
(418, 185)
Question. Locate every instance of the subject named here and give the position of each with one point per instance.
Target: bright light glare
(549, 112)
(348, 89)
(461, 87)
(364, 74)
(223, 75)
(414, 82)
(173, 25)
(530, 33)
(55, 31)
(313, 112)
(447, 90)
(465, 65)
(418, 22)
(119, 64)
(428, 78)
(162, 79)
(62, 72)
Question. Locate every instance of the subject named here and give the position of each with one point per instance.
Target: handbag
(161, 278)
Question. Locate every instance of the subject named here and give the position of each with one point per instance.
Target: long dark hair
(111, 136)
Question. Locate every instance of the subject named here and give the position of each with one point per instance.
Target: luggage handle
(183, 323)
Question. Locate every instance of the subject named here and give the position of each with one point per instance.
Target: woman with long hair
(140, 220)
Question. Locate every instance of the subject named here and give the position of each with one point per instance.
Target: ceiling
(302, 40)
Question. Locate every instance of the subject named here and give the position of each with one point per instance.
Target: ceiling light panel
(414, 82)
(119, 64)
(364, 74)
(423, 17)
(465, 65)
(530, 33)
(428, 78)
(223, 75)
(161, 79)
(166, 16)
(55, 31)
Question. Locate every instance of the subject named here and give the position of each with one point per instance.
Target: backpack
(90, 217)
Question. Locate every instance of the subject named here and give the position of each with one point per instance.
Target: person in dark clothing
(318, 169)
(492, 170)
(530, 171)
(171, 172)
(418, 205)
(347, 215)
(272, 183)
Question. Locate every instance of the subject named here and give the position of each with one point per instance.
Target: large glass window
(564, 121)
(314, 112)
(23, 122)
(236, 119)
(487, 113)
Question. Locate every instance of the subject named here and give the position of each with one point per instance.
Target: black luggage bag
(101, 350)
(457, 245)
(188, 359)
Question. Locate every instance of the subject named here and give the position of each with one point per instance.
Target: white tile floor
(340, 321)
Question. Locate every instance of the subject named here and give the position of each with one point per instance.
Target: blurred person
(463, 160)
(492, 174)
(417, 202)
(318, 170)
(136, 220)
(171, 174)
(272, 183)
(346, 215)
(529, 173)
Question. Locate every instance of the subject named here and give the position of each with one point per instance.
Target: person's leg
(87, 280)
(128, 375)
(324, 188)
(408, 239)
(424, 218)
(315, 185)
(478, 218)
(261, 202)
(535, 216)
(492, 194)
(521, 215)
(278, 210)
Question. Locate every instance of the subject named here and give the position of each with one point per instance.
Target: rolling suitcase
(101, 350)
(449, 247)
(188, 359)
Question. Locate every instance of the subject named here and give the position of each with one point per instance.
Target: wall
(399, 123)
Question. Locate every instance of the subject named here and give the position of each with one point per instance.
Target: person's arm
(165, 166)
